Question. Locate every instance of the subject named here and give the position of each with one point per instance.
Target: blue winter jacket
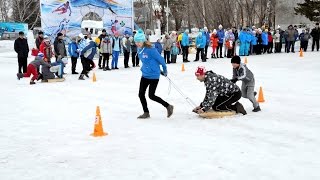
(151, 61)
(73, 49)
(253, 40)
(201, 41)
(185, 40)
(207, 35)
(91, 48)
(248, 37)
(220, 34)
(264, 37)
(242, 36)
(158, 46)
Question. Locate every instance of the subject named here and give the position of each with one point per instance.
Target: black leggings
(152, 83)
(85, 65)
(224, 103)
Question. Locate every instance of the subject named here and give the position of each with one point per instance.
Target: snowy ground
(45, 128)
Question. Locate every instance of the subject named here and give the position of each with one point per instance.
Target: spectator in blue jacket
(151, 61)
(158, 46)
(253, 42)
(185, 45)
(265, 41)
(201, 44)
(73, 51)
(207, 35)
(220, 35)
(87, 55)
(242, 41)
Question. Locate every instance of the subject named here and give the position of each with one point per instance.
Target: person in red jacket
(214, 43)
(270, 42)
(46, 49)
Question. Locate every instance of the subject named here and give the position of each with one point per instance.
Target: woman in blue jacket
(151, 61)
(74, 53)
(201, 44)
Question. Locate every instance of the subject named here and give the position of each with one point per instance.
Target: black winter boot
(19, 76)
(145, 115)
(169, 111)
(81, 77)
(240, 108)
(257, 109)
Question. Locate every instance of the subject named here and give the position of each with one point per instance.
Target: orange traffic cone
(245, 60)
(301, 52)
(182, 68)
(94, 78)
(260, 97)
(98, 128)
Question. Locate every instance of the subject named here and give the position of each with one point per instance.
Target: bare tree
(26, 11)
(5, 6)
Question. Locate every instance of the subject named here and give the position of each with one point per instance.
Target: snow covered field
(45, 127)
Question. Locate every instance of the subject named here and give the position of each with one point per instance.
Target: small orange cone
(182, 68)
(260, 97)
(301, 53)
(94, 78)
(98, 128)
(245, 60)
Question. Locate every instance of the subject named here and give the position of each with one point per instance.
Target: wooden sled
(214, 114)
(55, 80)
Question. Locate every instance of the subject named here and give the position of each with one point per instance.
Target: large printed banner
(67, 16)
(8, 27)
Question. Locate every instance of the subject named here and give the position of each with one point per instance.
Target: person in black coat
(315, 33)
(22, 49)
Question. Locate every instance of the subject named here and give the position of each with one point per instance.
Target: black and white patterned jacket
(216, 85)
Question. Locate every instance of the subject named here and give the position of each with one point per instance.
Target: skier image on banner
(114, 26)
(106, 4)
(62, 9)
(62, 28)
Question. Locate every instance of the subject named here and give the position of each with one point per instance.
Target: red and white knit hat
(201, 70)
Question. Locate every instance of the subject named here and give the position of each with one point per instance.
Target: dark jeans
(200, 51)
(304, 45)
(219, 48)
(206, 51)
(152, 83)
(135, 59)
(105, 60)
(126, 59)
(290, 45)
(270, 47)
(73, 64)
(315, 42)
(167, 56)
(100, 60)
(22, 64)
(185, 52)
(278, 47)
(224, 103)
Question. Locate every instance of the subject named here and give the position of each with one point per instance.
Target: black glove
(234, 80)
(163, 74)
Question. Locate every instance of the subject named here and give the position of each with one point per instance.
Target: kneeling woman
(150, 69)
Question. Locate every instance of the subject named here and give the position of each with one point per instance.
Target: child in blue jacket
(151, 61)
(174, 53)
(73, 51)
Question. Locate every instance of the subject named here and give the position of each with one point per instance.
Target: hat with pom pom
(140, 36)
(201, 70)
